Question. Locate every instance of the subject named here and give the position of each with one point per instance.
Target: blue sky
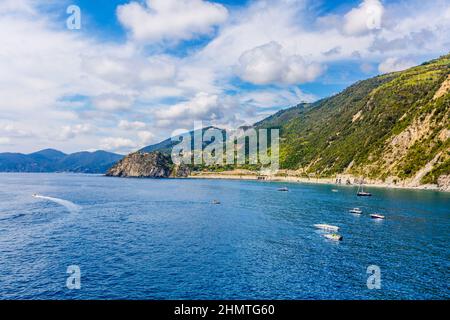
(137, 70)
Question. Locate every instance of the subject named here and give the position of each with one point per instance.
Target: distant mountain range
(50, 160)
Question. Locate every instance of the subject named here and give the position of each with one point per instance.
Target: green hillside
(391, 125)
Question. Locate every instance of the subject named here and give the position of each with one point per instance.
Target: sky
(135, 71)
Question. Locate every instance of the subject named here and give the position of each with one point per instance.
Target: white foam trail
(72, 207)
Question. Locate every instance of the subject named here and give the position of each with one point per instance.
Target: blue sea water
(164, 239)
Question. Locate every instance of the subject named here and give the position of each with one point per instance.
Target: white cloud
(364, 19)
(158, 20)
(70, 132)
(113, 102)
(118, 144)
(128, 68)
(203, 106)
(14, 6)
(394, 64)
(13, 130)
(266, 99)
(157, 69)
(131, 125)
(125, 145)
(268, 64)
(5, 140)
(146, 137)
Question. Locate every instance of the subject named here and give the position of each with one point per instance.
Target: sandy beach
(340, 180)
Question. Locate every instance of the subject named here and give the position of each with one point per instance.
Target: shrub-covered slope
(395, 125)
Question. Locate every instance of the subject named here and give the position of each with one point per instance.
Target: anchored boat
(326, 227)
(361, 192)
(284, 189)
(377, 216)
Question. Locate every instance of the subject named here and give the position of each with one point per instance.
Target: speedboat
(327, 227)
(355, 211)
(215, 202)
(377, 216)
(334, 190)
(333, 236)
(284, 189)
(34, 195)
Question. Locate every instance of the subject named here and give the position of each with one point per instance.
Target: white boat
(326, 227)
(215, 202)
(362, 193)
(284, 189)
(333, 236)
(377, 216)
(356, 211)
(334, 190)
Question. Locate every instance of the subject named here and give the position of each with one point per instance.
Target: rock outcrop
(148, 165)
(444, 183)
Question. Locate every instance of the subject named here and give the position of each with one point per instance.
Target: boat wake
(72, 207)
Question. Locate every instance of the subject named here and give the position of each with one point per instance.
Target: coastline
(255, 177)
(248, 175)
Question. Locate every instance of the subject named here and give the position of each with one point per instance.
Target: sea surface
(164, 239)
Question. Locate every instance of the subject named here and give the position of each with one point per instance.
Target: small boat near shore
(326, 227)
(333, 236)
(284, 189)
(377, 216)
(362, 193)
(356, 211)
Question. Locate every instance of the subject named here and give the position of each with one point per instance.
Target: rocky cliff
(148, 165)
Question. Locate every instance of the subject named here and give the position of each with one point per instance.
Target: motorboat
(377, 216)
(333, 236)
(326, 227)
(284, 189)
(356, 211)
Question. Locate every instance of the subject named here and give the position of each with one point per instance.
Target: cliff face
(147, 165)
